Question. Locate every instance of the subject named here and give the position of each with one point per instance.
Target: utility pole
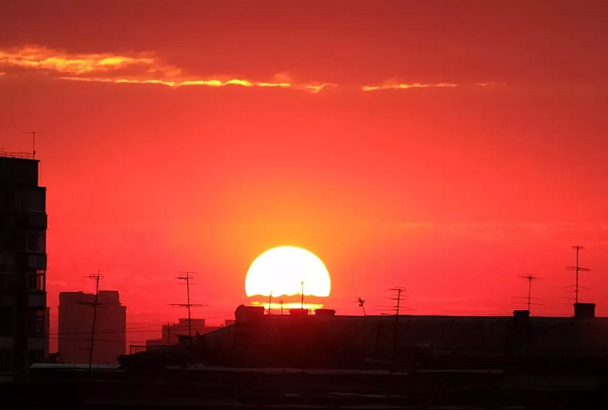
(96, 277)
(578, 269)
(168, 333)
(186, 276)
(302, 297)
(399, 291)
(33, 134)
(281, 302)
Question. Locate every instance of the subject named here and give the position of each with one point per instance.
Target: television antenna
(33, 134)
(96, 277)
(269, 302)
(529, 278)
(399, 291)
(578, 269)
(186, 277)
(362, 304)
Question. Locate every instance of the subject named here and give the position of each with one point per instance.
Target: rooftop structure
(404, 343)
(76, 324)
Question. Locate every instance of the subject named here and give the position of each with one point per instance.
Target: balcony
(33, 220)
(36, 261)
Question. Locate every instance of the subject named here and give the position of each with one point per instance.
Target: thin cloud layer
(147, 68)
(391, 85)
(43, 58)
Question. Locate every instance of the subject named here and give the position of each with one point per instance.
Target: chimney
(584, 310)
(521, 315)
(325, 312)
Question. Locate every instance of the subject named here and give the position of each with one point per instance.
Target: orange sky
(442, 146)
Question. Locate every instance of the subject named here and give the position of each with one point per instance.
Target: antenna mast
(186, 276)
(399, 291)
(269, 301)
(33, 133)
(362, 305)
(529, 278)
(96, 277)
(578, 269)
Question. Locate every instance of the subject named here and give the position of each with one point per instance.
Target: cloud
(134, 68)
(47, 59)
(392, 85)
(149, 69)
(490, 84)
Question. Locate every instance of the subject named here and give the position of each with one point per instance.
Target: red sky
(447, 147)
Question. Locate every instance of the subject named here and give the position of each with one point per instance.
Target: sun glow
(285, 271)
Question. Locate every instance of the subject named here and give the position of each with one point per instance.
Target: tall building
(76, 325)
(23, 223)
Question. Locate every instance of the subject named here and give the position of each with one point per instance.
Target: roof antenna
(269, 302)
(399, 290)
(186, 277)
(529, 278)
(362, 304)
(33, 133)
(96, 277)
(577, 269)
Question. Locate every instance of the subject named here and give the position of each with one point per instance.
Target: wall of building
(76, 325)
(23, 224)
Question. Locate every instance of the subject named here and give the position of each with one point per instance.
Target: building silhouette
(23, 223)
(172, 333)
(76, 325)
(517, 343)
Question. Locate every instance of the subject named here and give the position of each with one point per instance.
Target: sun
(285, 271)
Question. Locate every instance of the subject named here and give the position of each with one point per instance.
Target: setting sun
(281, 271)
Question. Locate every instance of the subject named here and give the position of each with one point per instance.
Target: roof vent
(584, 310)
(521, 314)
(325, 312)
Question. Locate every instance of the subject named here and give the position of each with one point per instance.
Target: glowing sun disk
(281, 271)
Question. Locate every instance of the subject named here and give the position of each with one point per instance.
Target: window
(6, 281)
(36, 282)
(36, 261)
(32, 199)
(37, 322)
(40, 323)
(35, 242)
(35, 356)
(7, 261)
(6, 321)
(6, 361)
(4, 200)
